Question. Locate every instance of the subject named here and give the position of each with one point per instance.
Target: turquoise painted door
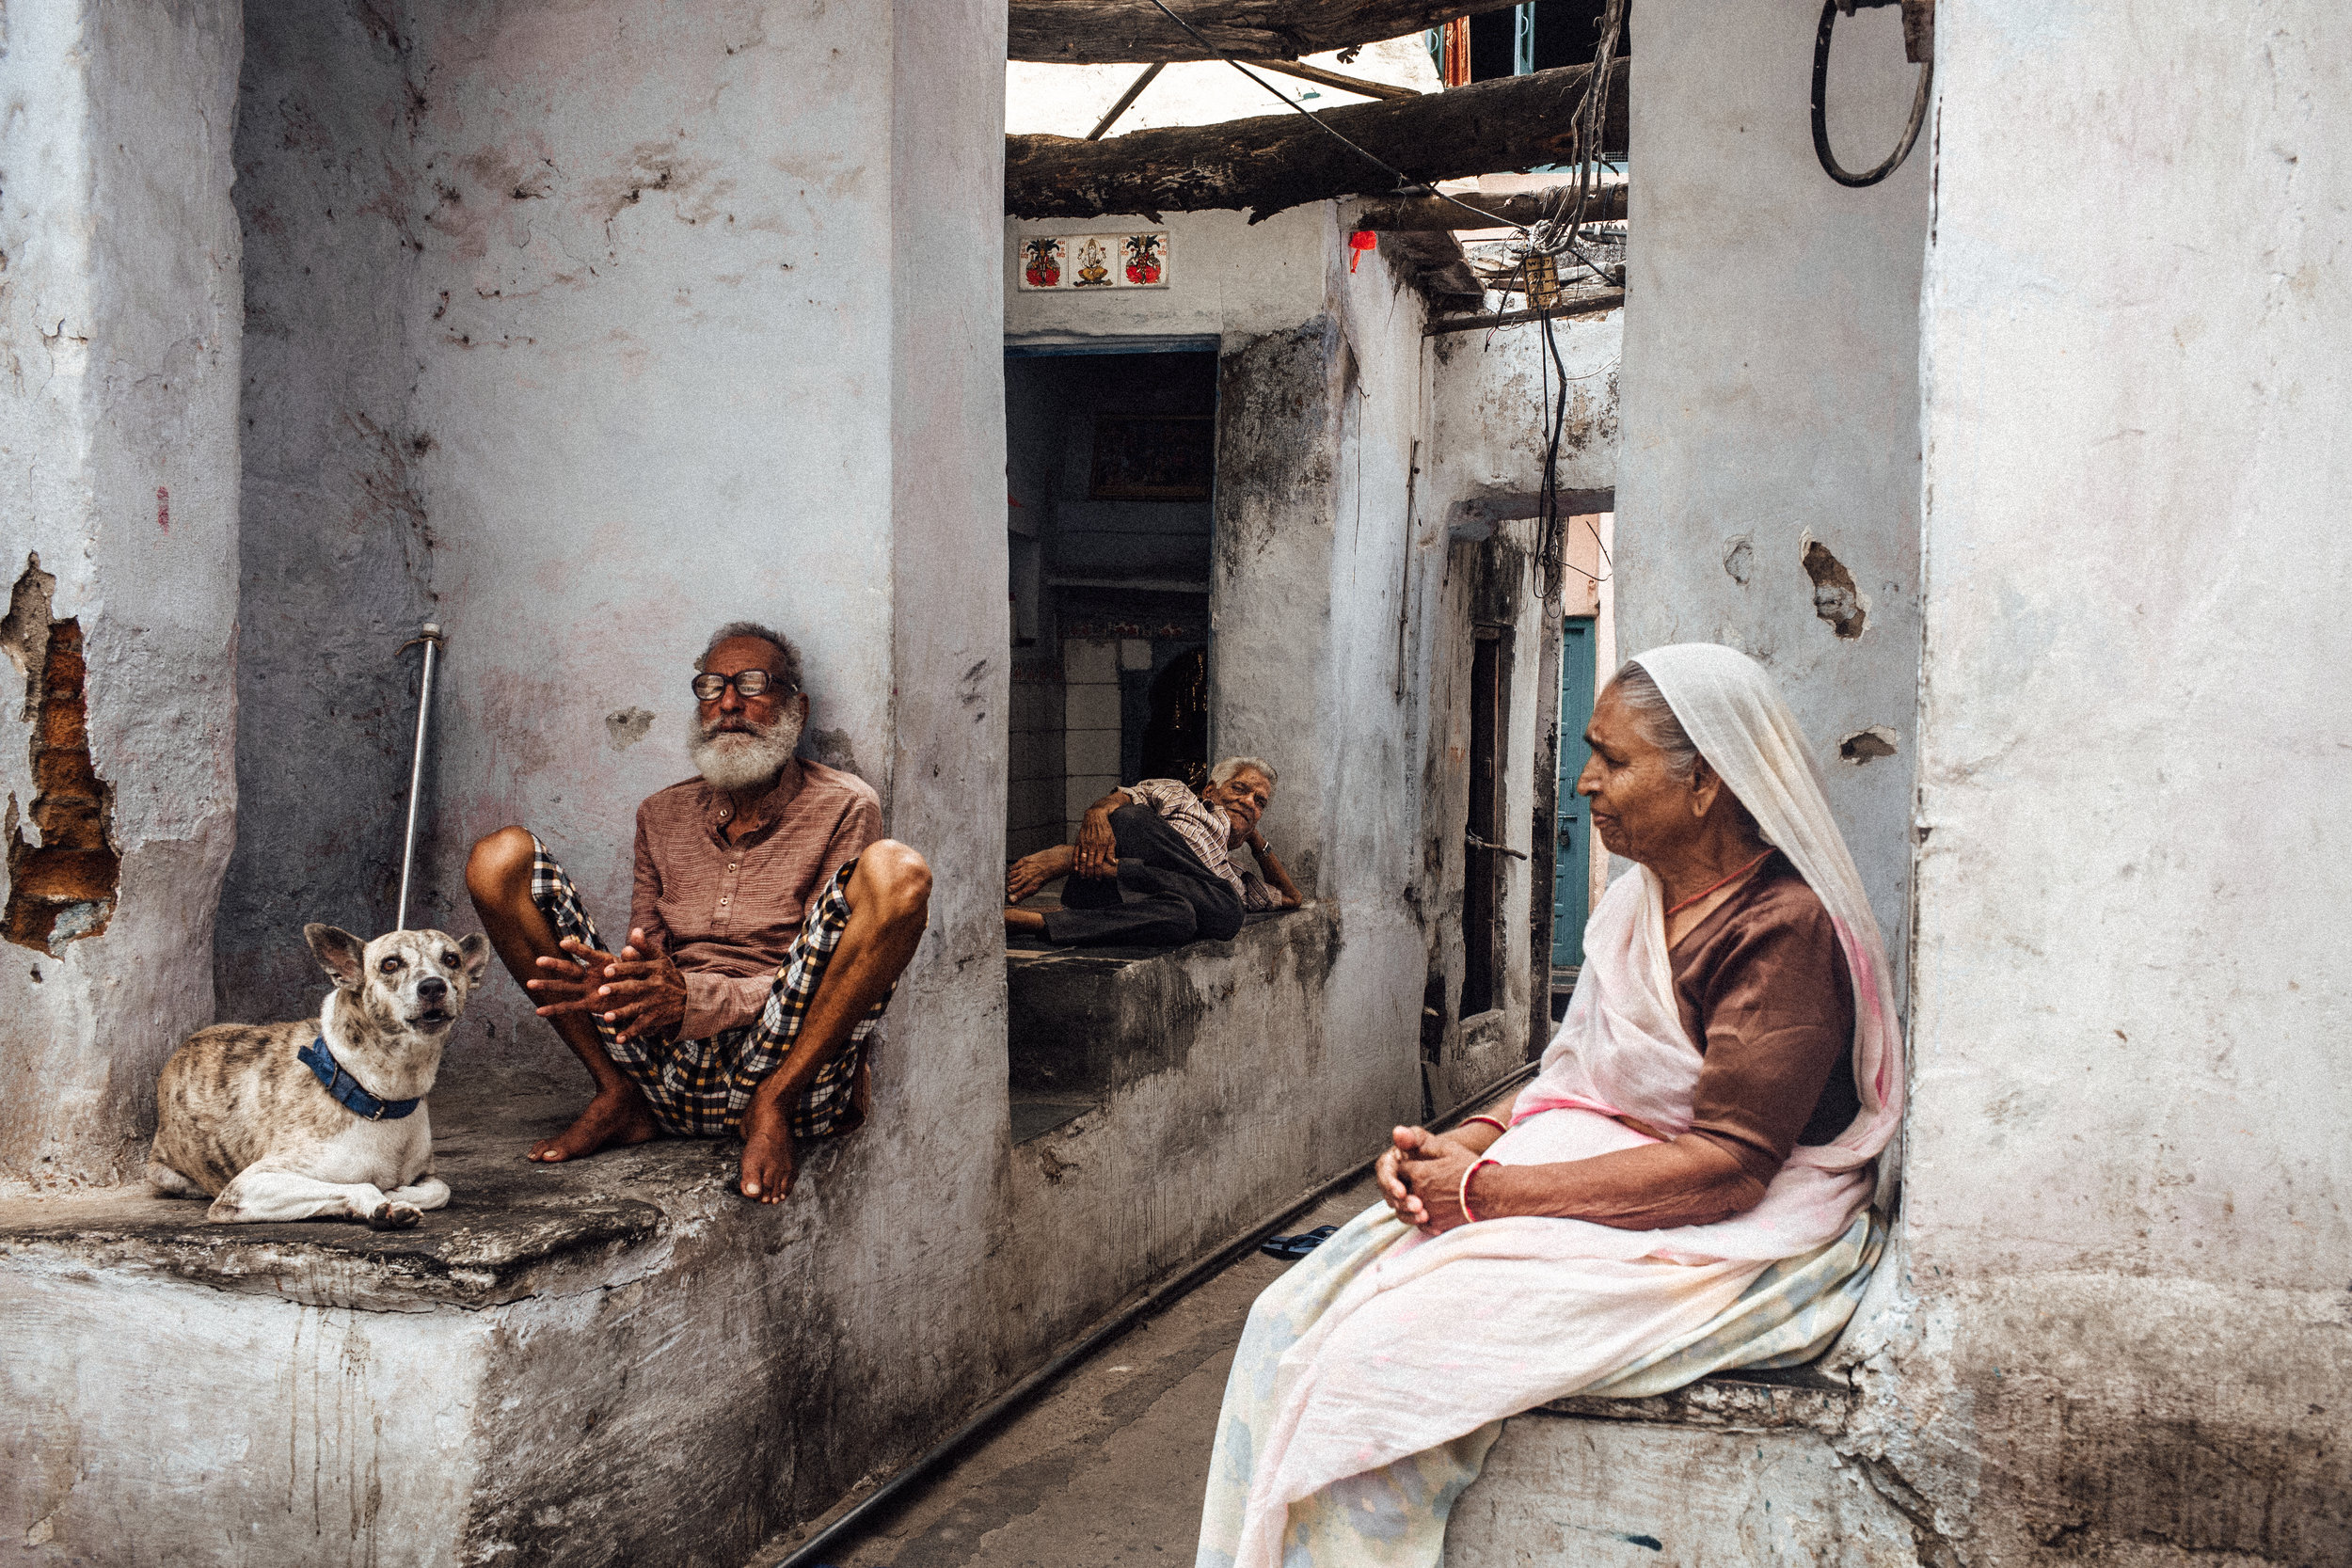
(1571, 884)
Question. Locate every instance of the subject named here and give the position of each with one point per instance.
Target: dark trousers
(1163, 895)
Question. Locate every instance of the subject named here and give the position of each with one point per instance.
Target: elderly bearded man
(767, 927)
(1153, 864)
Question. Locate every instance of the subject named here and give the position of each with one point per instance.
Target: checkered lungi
(698, 1089)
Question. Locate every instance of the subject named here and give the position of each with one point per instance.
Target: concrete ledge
(511, 1230)
(1617, 1492)
(582, 1363)
(1083, 1021)
(1754, 1400)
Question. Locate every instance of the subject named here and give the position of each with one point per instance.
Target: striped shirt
(1205, 829)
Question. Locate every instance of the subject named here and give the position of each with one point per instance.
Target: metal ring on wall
(1821, 93)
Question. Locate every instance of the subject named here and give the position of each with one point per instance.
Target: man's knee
(499, 869)
(894, 881)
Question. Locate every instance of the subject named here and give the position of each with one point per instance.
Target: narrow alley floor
(1109, 1466)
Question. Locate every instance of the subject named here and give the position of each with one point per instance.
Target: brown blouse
(1762, 989)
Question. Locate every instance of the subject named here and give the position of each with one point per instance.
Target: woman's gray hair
(1637, 689)
(786, 667)
(1223, 772)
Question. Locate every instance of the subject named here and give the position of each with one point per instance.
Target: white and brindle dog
(293, 1122)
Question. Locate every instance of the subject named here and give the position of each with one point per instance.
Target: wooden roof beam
(1106, 32)
(1280, 161)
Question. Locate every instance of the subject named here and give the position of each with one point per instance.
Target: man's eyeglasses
(747, 683)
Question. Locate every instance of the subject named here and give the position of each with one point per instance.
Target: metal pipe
(432, 640)
(1020, 1393)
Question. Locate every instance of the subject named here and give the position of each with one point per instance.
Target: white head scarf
(1733, 712)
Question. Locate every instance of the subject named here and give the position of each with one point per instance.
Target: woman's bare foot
(1025, 919)
(1032, 872)
(614, 1117)
(767, 1151)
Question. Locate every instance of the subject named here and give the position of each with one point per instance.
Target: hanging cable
(1557, 230)
(1405, 183)
(1820, 94)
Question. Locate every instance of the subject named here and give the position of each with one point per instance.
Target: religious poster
(1070, 263)
(1159, 457)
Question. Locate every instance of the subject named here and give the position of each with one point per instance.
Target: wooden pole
(1306, 72)
(1598, 304)
(1135, 90)
(1280, 161)
(1419, 214)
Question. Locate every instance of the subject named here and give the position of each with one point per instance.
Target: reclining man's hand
(645, 993)
(1098, 845)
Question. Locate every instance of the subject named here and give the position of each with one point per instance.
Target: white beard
(734, 760)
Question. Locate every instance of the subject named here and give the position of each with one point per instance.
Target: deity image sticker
(1041, 261)
(1093, 264)
(1062, 262)
(1143, 257)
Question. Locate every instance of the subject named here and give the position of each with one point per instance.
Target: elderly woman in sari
(1685, 1187)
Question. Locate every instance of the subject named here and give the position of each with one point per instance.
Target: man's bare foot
(1032, 872)
(614, 1117)
(1025, 919)
(767, 1151)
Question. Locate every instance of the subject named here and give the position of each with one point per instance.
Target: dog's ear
(339, 953)
(476, 950)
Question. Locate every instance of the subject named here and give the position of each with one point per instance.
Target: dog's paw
(394, 1216)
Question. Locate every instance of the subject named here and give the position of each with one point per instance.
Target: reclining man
(1153, 864)
(768, 928)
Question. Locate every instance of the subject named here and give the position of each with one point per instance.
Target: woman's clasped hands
(1420, 1177)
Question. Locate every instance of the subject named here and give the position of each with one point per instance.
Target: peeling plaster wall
(2130, 977)
(336, 540)
(577, 349)
(1315, 484)
(1770, 388)
(1473, 538)
(1319, 404)
(119, 364)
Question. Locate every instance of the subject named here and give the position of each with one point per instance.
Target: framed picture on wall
(1152, 457)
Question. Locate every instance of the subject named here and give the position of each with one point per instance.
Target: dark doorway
(1481, 866)
(1109, 473)
(1176, 723)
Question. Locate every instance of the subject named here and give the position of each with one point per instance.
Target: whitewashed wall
(2129, 1244)
(1770, 382)
(120, 330)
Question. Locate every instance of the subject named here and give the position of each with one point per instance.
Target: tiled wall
(1033, 801)
(1090, 723)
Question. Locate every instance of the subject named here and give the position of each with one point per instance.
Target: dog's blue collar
(345, 1088)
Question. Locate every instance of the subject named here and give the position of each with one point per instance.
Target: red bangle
(1463, 1197)
(1497, 1125)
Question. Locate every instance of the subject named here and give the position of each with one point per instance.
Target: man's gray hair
(787, 666)
(1223, 772)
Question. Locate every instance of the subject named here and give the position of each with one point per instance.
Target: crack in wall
(64, 886)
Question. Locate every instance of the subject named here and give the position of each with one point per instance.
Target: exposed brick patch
(63, 887)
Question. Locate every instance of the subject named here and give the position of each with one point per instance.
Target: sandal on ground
(1290, 1249)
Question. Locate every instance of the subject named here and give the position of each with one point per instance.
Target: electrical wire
(1591, 125)
(1406, 184)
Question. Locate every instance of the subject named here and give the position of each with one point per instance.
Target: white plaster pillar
(120, 320)
(1770, 392)
(2128, 1233)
